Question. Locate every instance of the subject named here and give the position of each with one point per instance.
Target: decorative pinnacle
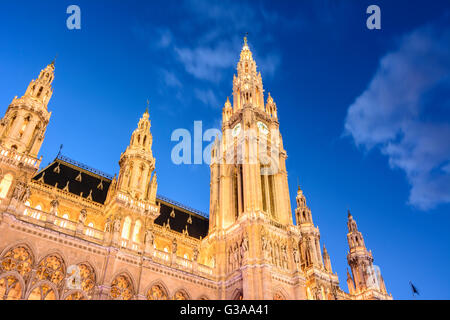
(349, 214)
(245, 41)
(148, 105)
(54, 59)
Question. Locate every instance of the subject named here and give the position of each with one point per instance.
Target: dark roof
(60, 172)
(63, 170)
(198, 228)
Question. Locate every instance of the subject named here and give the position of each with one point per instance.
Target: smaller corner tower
(137, 177)
(23, 127)
(365, 276)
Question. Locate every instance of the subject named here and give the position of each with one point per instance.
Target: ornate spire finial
(54, 59)
(245, 38)
(148, 105)
(349, 214)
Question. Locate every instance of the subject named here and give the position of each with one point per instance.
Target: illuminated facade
(68, 231)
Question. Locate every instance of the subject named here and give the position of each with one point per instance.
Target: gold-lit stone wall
(71, 232)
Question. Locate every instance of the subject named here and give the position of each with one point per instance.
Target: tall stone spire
(247, 85)
(310, 243)
(137, 164)
(26, 119)
(360, 261)
(41, 89)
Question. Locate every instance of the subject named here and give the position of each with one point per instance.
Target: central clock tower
(249, 189)
(248, 165)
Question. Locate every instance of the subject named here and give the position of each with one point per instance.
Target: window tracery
(180, 295)
(121, 288)
(17, 259)
(52, 269)
(157, 292)
(43, 292)
(10, 288)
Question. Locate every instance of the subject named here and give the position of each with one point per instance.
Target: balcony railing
(59, 224)
(16, 158)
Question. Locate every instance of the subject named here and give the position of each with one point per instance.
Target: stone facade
(68, 231)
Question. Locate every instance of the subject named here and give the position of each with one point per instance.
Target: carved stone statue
(245, 243)
(284, 256)
(195, 254)
(174, 246)
(108, 224)
(54, 206)
(83, 215)
(148, 237)
(26, 195)
(244, 247)
(18, 190)
(116, 225)
(296, 254)
(236, 256)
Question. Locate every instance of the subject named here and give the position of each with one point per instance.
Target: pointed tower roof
(228, 103)
(246, 53)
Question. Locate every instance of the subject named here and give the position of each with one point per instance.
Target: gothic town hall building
(70, 232)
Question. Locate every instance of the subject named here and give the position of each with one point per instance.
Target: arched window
(40, 92)
(18, 259)
(90, 232)
(278, 296)
(43, 292)
(24, 125)
(121, 288)
(157, 292)
(180, 295)
(28, 204)
(63, 223)
(52, 269)
(126, 228)
(5, 184)
(136, 231)
(35, 214)
(10, 288)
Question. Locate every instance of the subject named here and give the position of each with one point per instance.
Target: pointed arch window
(90, 232)
(136, 231)
(126, 228)
(63, 223)
(5, 184)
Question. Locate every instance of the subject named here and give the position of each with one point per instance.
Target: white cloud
(217, 49)
(207, 97)
(405, 116)
(206, 62)
(170, 79)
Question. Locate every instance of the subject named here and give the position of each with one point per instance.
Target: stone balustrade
(79, 230)
(15, 158)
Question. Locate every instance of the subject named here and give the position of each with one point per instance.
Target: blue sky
(364, 114)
